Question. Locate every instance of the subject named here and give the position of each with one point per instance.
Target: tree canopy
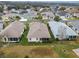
(62, 8)
(57, 18)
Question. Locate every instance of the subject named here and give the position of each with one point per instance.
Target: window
(5, 39)
(36, 38)
(74, 36)
(70, 36)
(30, 38)
(13, 39)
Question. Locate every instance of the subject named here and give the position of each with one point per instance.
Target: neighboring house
(47, 15)
(56, 8)
(76, 14)
(38, 32)
(62, 31)
(74, 24)
(14, 11)
(63, 13)
(1, 25)
(73, 11)
(13, 32)
(9, 17)
(19, 11)
(30, 14)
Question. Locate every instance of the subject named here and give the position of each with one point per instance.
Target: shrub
(26, 56)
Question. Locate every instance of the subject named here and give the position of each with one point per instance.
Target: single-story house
(12, 32)
(74, 24)
(62, 31)
(38, 32)
(73, 11)
(47, 15)
(19, 11)
(63, 13)
(76, 14)
(8, 17)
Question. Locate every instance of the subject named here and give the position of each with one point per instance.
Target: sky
(39, 0)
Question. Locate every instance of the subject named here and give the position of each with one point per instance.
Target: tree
(1, 43)
(17, 18)
(62, 8)
(57, 18)
(1, 9)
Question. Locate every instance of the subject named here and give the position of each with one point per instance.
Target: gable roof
(72, 10)
(55, 26)
(48, 13)
(15, 29)
(38, 30)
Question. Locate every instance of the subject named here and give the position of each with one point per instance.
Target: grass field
(73, 18)
(61, 49)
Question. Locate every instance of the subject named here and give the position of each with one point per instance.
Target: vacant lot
(62, 49)
(28, 51)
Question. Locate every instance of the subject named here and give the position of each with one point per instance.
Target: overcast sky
(39, 0)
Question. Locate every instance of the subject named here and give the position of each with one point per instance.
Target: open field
(62, 49)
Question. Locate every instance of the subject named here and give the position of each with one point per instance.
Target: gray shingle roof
(15, 29)
(38, 30)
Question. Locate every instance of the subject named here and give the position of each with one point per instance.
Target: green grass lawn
(64, 49)
(24, 39)
(61, 49)
(73, 18)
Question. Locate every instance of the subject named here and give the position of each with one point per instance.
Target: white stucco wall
(34, 40)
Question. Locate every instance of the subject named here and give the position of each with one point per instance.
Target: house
(30, 14)
(9, 17)
(12, 32)
(73, 11)
(38, 32)
(73, 24)
(63, 13)
(62, 31)
(19, 11)
(76, 14)
(47, 15)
